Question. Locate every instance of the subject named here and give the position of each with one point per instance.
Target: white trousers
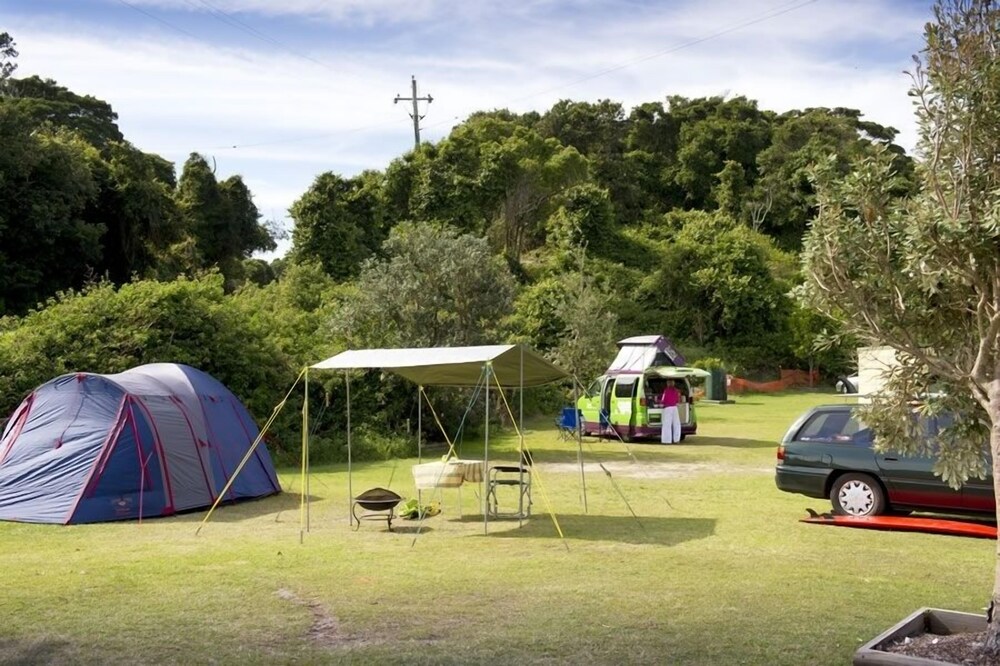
(670, 430)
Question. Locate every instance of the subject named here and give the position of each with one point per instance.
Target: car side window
(624, 387)
(940, 422)
(834, 427)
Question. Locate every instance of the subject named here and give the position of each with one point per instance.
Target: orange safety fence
(789, 379)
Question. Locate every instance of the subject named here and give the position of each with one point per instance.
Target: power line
(308, 137)
(159, 20)
(235, 22)
(783, 9)
(673, 49)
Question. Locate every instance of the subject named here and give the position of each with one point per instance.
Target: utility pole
(416, 112)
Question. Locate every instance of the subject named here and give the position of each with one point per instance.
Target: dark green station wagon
(827, 453)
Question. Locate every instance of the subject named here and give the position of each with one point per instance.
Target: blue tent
(151, 441)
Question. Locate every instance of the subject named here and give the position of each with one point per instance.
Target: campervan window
(624, 387)
(655, 386)
(594, 389)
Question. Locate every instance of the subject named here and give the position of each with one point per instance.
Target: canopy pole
(350, 486)
(486, 450)
(305, 444)
(420, 429)
(249, 453)
(302, 456)
(520, 440)
(579, 443)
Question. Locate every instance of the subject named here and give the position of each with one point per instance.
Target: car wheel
(857, 495)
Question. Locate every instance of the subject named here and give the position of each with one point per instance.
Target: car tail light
(642, 401)
(781, 452)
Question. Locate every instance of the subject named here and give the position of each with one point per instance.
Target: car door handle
(891, 458)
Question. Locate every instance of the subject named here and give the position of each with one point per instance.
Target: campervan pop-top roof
(639, 352)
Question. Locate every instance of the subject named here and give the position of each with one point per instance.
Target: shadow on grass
(35, 651)
(651, 530)
(623, 452)
(244, 509)
(411, 529)
(739, 443)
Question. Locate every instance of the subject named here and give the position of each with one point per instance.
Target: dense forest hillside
(565, 229)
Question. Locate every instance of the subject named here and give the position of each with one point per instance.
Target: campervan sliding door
(623, 399)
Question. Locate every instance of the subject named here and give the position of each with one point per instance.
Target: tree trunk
(992, 643)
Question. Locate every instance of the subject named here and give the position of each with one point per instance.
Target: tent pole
(350, 488)
(486, 451)
(579, 443)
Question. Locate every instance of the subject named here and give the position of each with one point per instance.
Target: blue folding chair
(568, 422)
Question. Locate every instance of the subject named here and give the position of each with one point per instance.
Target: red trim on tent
(144, 477)
(143, 469)
(16, 432)
(250, 441)
(169, 509)
(955, 526)
(100, 460)
(130, 420)
(197, 443)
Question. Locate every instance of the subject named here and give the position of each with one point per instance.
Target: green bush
(709, 363)
(107, 330)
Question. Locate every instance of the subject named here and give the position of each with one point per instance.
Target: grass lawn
(716, 569)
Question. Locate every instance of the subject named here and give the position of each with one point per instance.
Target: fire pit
(378, 503)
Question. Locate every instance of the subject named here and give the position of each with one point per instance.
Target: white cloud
(326, 104)
(363, 11)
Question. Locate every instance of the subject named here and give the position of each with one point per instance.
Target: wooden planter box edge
(925, 620)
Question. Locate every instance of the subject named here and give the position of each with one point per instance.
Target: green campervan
(624, 401)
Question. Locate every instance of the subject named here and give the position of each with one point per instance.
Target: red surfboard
(956, 526)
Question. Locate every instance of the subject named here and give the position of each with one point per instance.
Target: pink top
(670, 396)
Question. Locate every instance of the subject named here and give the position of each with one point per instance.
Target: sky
(280, 91)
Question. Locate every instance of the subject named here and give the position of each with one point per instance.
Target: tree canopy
(920, 274)
(565, 228)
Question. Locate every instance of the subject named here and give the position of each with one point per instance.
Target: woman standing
(670, 430)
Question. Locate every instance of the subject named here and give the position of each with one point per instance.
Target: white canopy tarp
(512, 366)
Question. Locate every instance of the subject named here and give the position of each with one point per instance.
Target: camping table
(451, 474)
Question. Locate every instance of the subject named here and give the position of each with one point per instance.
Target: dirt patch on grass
(326, 630)
(39, 651)
(652, 470)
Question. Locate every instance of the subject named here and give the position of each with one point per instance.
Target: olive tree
(922, 274)
(434, 287)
